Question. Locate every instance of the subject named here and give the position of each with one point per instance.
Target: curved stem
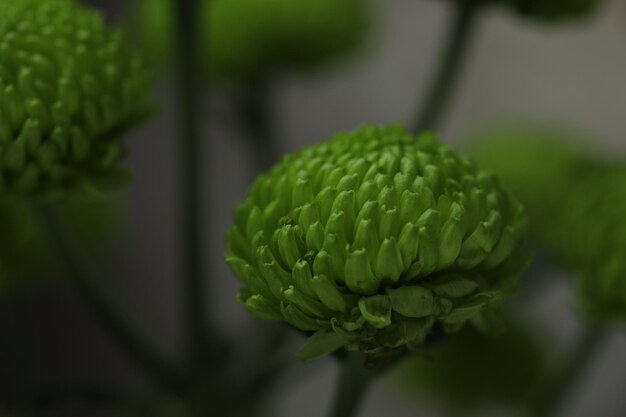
(109, 315)
(556, 388)
(257, 107)
(191, 151)
(353, 383)
(449, 67)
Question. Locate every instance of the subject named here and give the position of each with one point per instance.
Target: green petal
(328, 293)
(376, 310)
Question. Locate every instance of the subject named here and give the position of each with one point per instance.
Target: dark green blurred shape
(246, 39)
(544, 10)
(472, 371)
(26, 252)
(576, 200)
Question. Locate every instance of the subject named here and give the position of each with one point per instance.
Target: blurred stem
(353, 383)
(96, 396)
(257, 108)
(194, 246)
(104, 308)
(555, 389)
(449, 66)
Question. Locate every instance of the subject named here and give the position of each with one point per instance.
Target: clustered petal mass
(247, 39)
(374, 238)
(68, 88)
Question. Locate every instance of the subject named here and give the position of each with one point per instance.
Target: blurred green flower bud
(589, 234)
(246, 39)
(68, 88)
(471, 372)
(576, 202)
(373, 238)
(536, 163)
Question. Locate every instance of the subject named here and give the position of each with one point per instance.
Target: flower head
(68, 88)
(372, 239)
(246, 39)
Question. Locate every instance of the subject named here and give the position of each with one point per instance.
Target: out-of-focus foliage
(373, 238)
(69, 87)
(577, 200)
(589, 233)
(471, 371)
(247, 39)
(26, 253)
(536, 163)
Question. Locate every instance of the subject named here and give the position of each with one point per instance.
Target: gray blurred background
(574, 75)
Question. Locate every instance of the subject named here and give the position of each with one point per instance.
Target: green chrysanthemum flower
(245, 39)
(372, 239)
(576, 204)
(69, 87)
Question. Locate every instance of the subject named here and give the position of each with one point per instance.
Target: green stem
(353, 383)
(449, 67)
(257, 113)
(554, 391)
(104, 309)
(194, 248)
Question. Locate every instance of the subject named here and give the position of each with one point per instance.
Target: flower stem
(256, 108)
(104, 309)
(449, 66)
(555, 389)
(194, 247)
(353, 383)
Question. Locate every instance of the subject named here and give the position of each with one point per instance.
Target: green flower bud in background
(536, 163)
(589, 234)
(373, 239)
(576, 201)
(246, 39)
(68, 88)
(472, 372)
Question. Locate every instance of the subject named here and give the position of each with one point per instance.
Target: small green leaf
(322, 343)
(453, 286)
(412, 301)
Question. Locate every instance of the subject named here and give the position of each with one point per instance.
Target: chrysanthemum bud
(68, 88)
(246, 39)
(378, 243)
